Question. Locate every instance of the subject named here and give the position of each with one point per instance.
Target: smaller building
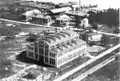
(77, 16)
(61, 10)
(62, 20)
(28, 14)
(41, 19)
(35, 16)
(84, 22)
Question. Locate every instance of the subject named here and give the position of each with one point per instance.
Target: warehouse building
(57, 49)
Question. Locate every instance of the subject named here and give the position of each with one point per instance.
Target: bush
(32, 38)
(4, 63)
(30, 76)
(5, 68)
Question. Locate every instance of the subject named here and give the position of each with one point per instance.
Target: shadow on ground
(23, 58)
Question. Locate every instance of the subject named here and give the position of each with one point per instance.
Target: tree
(32, 37)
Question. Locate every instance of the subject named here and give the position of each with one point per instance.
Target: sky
(102, 4)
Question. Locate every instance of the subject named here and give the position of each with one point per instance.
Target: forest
(108, 17)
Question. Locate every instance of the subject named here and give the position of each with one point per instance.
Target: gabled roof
(63, 17)
(31, 12)
(59, 38)
(59, 10)
(63, 49)
(76, 13)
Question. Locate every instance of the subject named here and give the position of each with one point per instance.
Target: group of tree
(108, 17)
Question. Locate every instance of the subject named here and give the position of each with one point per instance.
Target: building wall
(65, 58)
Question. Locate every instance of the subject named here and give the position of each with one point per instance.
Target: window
(46, 52)
(31, 54)
(52, 54)
(41, 45)
(46, 47)
(30, 48)
(46, 59)
(36, 48)
(41, 51)
(74, 55)
(69, 57)
(52, 61)
(36, 56)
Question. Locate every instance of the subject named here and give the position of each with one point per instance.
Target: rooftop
(77, 13)
(31, 12)
(67, 47)
(63, 9)
(58, 38)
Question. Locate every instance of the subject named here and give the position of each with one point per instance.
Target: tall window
(46, 50)
(31, 54)
(41, 51)
(36, 56)
(36, 47)
(52, 61)
(46, 59)
(70, 57)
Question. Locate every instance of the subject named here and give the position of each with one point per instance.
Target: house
(77, 16)
(57, 49)
(28, 14)
(62, 20)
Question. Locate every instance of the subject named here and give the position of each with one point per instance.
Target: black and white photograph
(59, 40)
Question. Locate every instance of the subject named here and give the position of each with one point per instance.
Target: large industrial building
(57, 49)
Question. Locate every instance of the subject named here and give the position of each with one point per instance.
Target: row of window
(50, 60)
(71, 48)
(30, 54)
(45, 51)
(63, 43)
(52, 54)
(71, 56)
(33, 55)
(41, 20)
(31, 48)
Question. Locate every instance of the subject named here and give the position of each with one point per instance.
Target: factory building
(57, 49)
